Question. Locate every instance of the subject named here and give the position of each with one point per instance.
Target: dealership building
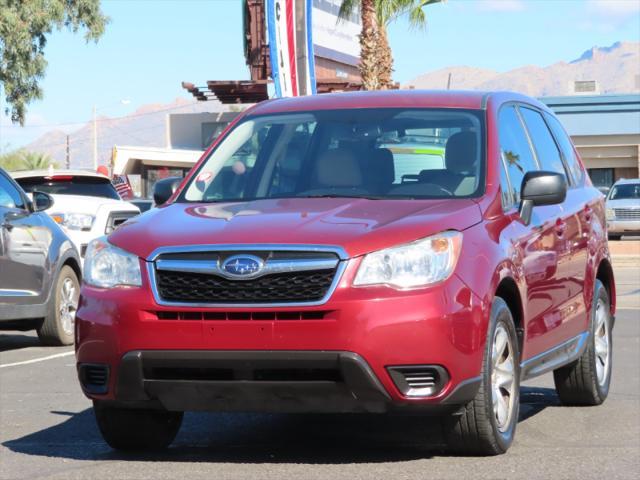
(606, 132)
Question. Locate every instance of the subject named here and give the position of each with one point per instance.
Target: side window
(566, 146)
(546, 148)
(515, 150)
(9, 195)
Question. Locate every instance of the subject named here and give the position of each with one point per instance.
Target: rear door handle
(7, 226)
(561, 227)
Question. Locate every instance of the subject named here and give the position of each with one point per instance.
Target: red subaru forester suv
(408, 251)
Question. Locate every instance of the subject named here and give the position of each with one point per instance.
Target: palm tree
(369, 41)
(376, 58)
(25, 160)
(36, 161)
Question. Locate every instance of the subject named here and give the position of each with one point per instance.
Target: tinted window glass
(381, 153)
(546, 148)
(515, 149)
(567, 149)
(70, 185)
(9, 195)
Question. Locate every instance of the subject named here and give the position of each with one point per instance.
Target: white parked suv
(86, 204)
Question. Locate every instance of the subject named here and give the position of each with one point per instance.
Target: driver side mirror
(163, 189)
(41, 201)
(541, 188)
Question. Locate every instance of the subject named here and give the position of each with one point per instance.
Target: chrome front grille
(210, 276)
(627, 213)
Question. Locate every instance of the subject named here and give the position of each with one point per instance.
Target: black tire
(614, 237)
(55, 329)
(578, 382)
(475, 431)
(131, 429)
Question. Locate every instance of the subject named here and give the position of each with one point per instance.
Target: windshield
(372, 153)
(625, 191)
(70, 185)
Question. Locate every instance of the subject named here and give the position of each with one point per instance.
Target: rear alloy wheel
(486, 425)
(586, 381)
(57, 327)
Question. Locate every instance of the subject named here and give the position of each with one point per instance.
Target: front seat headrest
(338, 168)
(461, 152)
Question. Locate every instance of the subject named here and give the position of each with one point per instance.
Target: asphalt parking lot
(47, 429)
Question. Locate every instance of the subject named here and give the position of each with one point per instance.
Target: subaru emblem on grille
(243, 265)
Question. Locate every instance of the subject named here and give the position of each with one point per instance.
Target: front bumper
(358, 335)
(623, 226)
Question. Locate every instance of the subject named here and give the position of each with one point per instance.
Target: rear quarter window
(566, 147)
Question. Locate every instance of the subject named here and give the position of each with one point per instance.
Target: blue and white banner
(290, 36)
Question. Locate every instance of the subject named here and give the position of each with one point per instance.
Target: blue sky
(151, 46)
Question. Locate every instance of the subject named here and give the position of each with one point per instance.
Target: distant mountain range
(145, 127)
(615, 68)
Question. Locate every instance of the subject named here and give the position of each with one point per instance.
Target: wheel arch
(508, 290)
(604, 273)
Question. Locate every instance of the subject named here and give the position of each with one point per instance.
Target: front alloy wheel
(502, 378)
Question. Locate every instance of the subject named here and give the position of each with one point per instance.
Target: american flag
(122, 186)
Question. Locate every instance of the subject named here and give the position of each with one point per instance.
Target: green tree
(24, 27)
(26, 160)
(376, 60)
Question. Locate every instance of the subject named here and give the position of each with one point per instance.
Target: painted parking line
(36, 360)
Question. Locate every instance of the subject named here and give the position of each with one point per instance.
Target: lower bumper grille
(239, 316)
(94, 377)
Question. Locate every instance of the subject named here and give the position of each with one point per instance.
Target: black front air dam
(253, 381)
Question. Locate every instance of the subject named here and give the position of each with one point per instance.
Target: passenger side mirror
(541, 188)
(41, 201)
(163, 189)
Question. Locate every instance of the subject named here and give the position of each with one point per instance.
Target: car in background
(623, 209)
(86, 204)
(39, 267)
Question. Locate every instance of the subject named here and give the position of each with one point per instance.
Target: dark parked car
(408, 251)
(39, 267)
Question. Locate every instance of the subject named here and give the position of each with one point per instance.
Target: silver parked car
(39, 267)
(623, 209)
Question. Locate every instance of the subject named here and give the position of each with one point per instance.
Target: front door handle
(560, 227)
(588, 213)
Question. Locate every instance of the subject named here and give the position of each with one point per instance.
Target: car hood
(624, 203)
(357, 225)
(87, 204)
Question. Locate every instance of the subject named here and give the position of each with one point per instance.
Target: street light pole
(95, 139)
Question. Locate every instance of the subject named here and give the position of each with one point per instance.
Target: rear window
(70, 185)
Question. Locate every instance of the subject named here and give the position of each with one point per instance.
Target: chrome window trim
(341, 266)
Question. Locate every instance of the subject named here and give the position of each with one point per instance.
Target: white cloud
(501, 5)
(614, 8)
(608, 15)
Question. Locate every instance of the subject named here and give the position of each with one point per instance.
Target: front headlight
(106, 266)
(74, 221)
(611, 214)
(427, 261)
